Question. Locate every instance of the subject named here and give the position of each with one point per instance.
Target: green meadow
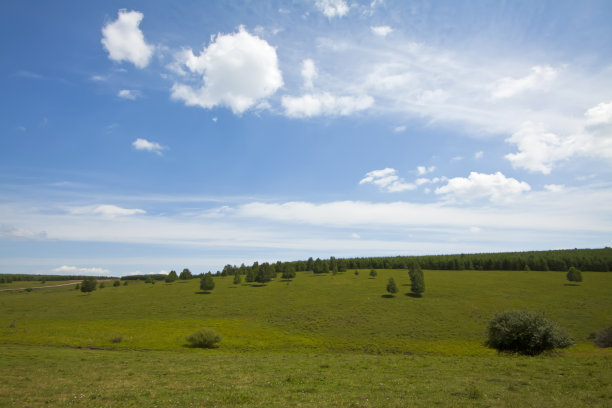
(317, 340)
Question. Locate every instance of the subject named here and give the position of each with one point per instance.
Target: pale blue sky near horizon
(145, 136)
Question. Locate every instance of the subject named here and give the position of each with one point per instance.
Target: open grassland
(318, 340)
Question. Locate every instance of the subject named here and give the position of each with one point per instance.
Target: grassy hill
(325, 340)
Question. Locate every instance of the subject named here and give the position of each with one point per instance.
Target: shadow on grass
(571, 284)
(257, 285)
(414, 295)
(203, 292)
(387, 296)
(286, 280)
(191, 346)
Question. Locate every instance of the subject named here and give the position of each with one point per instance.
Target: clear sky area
(145, 136)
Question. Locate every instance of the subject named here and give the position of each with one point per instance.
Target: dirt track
(39, 287)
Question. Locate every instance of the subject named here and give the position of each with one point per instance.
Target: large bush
(205, 338)
(525, 332)
(574, 275)
(604, 338)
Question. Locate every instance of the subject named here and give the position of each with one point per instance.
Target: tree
(265, 273)
(207, 282)
(250, 275)
(186, 274)
(320, 266)
(89, 284)
(237, 278)
(391, 286)
(116, 283)
(171, 277)
(417, 279)
(288, 274)
(356, 273)
(524, 332)
(373, 273)
(574, 275)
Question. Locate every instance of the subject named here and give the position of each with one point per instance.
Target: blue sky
(144, 136)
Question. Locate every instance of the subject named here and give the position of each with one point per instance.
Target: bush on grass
(604, 338)
(205, 338)
(574, 275)
(524, 332)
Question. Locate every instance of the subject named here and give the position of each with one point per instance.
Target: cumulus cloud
(309, 72)
(509, 87)
(105, 210)
(324, 104)
(381, 31)
(124, 41)
(422, 170)
(332, 8)
(144, 144)
(495, 187)
(387, 180)
(539, 150)
(599, 115)
(128, 94)
(237, 70)
(74, 270)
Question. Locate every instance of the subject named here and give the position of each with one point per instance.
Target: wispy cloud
(387, 180)
(144, 144)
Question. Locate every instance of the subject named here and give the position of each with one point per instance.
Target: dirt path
(39, 287)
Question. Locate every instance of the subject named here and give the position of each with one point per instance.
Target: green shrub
(116, 339)
(102, 285)
(417, 280)
(574, 275)
(28, 289)
(205, 338)
(391, 286)
(207, 282)
(525, 332)
(77, 286)
(604, 338)
(116, 283)
(89, 284)
(373, 273)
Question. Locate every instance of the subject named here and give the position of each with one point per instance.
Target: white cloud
(554, 188)
(105, 210)
(508, 87)
(321, 104)
(128, 94)
(599, 115)
(309, 72)
(399, 129)
(332, 8)
(144, 144)
(479, 155)
(12, 232)
(538, 149)
(73, 270)
(381, 31)
(237, 70)
(496, 187)
(422, 170)
(388, 180)
(355, 235)
(124, 41)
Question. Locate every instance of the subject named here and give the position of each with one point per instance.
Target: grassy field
(318, 340)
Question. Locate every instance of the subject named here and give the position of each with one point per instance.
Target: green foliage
(250, 276)
(373, 273)
(356, 273)
(89, 284)
(125, 283)
(237, 278)
(417, 280)
(28, 289)
(207, 282)
(77, 286)
(205, 338)
(116, 283)
(149, 279)
(574, 275)
(525, 332)
(186, 274)
(604, 338)
(288, 274)
(320, 266)
(172, 276)
(102, 285)
(391, 286)
(265, 273)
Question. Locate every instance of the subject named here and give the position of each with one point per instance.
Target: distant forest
(596, 260)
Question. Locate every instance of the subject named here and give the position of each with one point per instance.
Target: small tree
(373, 273)
(356, 273)
(125, 283)
(417, 280)
(523, 332)
(207, 282)
(391, 286)
(574, 275)
(89, 284)
(237, 278)
(186, 274)
(116, 283)
(265, 273)
(77, 286)
(102, 285)
(288, 274)
(171, 277)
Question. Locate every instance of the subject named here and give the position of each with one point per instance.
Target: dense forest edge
(595, 260)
